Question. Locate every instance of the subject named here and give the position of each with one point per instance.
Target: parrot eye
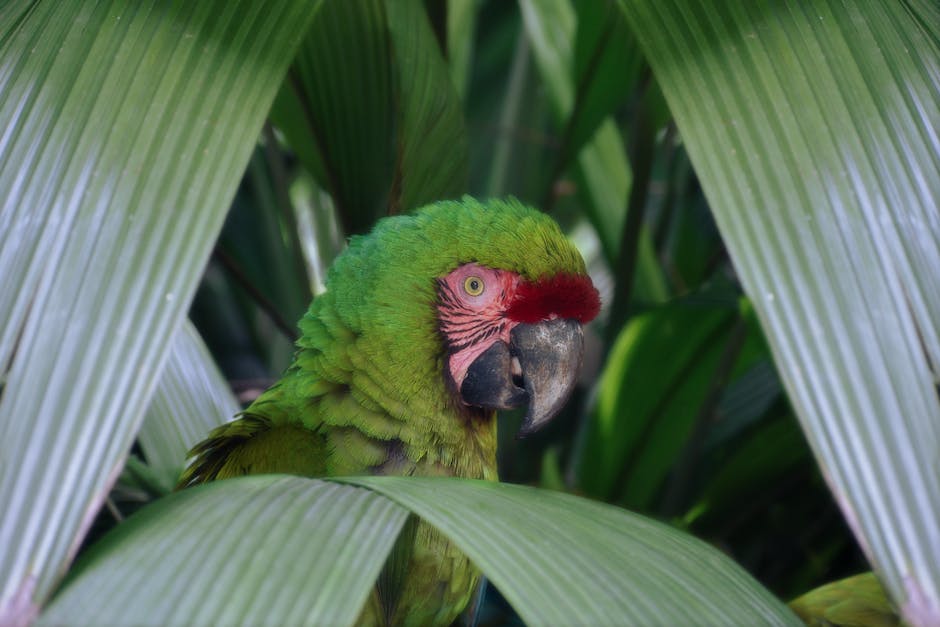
(473, 285)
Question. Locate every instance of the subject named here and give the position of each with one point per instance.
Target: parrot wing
(253, 444)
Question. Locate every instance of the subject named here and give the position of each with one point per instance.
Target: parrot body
(428, 325)
(857, 601)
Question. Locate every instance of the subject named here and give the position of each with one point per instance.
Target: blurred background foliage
(680, 415)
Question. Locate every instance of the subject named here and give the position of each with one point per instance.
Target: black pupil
(474, 285)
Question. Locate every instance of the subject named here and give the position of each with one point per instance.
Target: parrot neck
(469, 451)
(380, 417)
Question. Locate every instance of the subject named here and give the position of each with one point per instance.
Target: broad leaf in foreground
(127, 127)
(291, 550)
(560, 559)
(812, 127)
(265, 550)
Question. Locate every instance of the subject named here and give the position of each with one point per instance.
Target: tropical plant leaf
(775, 448)
(644, 415)
(336, 109)
(607, 63)
(318, 229)
(378, 123)
(260, 240)
(191, 399)
(128, 128)
(292, 550)
(603, 172)
(560, 559)
(551, 28)
(512, 114)
(265, 550)
(432, 140)
(813, 129)
(461, 24)
(748, 396)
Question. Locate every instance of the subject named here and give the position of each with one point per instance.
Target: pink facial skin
(471, 324)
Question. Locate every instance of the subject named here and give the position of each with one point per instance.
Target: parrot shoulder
(252, 444)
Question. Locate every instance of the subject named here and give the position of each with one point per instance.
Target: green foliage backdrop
(753, 185)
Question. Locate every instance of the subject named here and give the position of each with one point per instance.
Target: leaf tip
(19, 610)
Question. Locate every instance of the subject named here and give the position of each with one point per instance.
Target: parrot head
(484, 300)
(512, 341)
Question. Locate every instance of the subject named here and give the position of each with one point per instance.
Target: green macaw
(428, 325)
(857, 601)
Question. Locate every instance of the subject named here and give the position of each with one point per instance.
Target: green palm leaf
(813, 129)
(372, 112)
(128, 127)
(287, 550)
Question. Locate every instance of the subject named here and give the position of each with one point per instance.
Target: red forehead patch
(568, 296)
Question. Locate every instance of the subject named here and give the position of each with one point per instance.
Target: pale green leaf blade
(128, 128)
(191, 399)
(604, 177)
(813, 129)
(266, 550)
(318, 229)
(563, 560)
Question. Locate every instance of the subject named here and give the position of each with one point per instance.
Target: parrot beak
(540, 366)
(550, 355)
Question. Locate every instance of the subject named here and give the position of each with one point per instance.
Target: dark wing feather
(252, 444)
